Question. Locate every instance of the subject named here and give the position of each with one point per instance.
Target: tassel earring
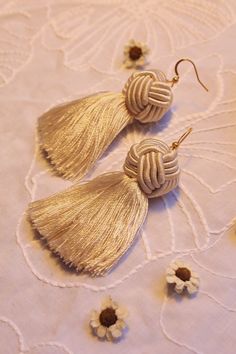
(74, 135)
(91, 225)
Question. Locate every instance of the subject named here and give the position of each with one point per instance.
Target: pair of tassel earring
(91, 225)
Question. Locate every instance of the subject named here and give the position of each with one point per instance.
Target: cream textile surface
(53, 51)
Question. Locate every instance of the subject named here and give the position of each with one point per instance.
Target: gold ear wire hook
(176, 78)
(176, 144)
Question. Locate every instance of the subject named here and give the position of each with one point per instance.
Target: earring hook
(176, 78)
(176, 144)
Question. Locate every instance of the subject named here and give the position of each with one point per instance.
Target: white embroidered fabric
(52, 51)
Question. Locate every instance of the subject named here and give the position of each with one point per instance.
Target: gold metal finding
(176, 144)
(176, 77)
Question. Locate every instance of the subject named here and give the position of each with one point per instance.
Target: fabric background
(52, 51)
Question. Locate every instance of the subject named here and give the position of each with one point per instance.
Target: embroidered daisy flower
(135, 54)
(109, 322)
(183, 277)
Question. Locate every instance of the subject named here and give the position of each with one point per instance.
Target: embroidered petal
(194, 275)
(170, 271)
(94, 316)
(180, 264)
(114, 305)
(129, 63)
(145, 49)
(179, 290)
(179, 287)
(101, 331)
(140, 61)
(191, 288)
(174, 266)
(95, 324)
(121, 313)
(109, 335)
(171, 279)
(120, 324)
(132, 42)
(179, 282)
(107, 302)
(116, 333)
(194, 281)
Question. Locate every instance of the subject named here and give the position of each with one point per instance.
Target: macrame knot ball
(155, 166)
(147, 95)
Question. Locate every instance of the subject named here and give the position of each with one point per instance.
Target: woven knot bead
(147, 95)
(155, 166)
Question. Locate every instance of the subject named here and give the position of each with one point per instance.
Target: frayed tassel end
(75, 134)
(90, 226)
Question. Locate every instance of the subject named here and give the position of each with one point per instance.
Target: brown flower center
(183, 273)
(135, 53)
(108, 317)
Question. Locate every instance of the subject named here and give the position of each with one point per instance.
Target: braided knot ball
(148, 95)
(155, 166)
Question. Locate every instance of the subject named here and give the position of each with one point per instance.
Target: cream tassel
(91, 225)
(75, 134)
